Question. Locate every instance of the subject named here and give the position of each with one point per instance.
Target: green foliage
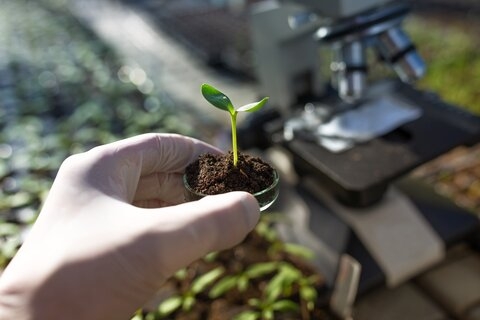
(265, 230)
(292, 249)
(205, 280)
(10, 241)
(453, 61)
(210, 257)
(282, 283)
(242, 279)
(280, 286)
(278, 293)
(181, 274)
(266, 309)
(222, 102)
(187, 299)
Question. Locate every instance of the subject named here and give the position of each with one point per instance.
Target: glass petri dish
(264, 197)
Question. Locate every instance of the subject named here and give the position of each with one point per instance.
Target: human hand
(112, 230)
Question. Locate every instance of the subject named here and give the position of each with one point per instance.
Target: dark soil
(214, 174)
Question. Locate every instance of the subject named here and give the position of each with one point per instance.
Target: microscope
(351, 137)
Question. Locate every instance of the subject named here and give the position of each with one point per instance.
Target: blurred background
(70, 80)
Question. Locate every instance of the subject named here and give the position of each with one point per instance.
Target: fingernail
(244, 201)
(250, 205)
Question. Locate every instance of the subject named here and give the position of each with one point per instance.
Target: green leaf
(169, 305)
(181, 274)
(267, 314)
(10, 247)
(150, 316)
(137, 317)
(210, 257)
(260, 269)
(282, 282)
(4, 169)
(284, 306)
(290, 272)
(217, 98)
(188, 302)
(273, 290)
(308, 294)
(254, 106)
(265, 231)
(222, 286)
(242, 284)
(254, 302)
(8, 229)
(19, 199)
(199, 284)
(299, 250)
(247, 315)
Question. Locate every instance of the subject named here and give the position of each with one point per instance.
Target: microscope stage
(360, 176)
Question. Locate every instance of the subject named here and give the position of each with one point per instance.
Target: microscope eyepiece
(380, 27)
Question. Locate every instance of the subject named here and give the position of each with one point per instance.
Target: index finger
(116, 168)
(158, 152)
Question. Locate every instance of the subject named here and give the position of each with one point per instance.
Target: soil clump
(214, 174)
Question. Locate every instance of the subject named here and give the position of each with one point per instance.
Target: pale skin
(114, 227)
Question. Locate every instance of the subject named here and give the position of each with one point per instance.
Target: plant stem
(234, 138)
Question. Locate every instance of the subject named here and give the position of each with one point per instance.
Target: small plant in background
(242, 280)
(222, 102)
(10, 241)
(265, 287)
(265, 309)
(280, 248)
(277, 246)
(279, 295)
(290, 280)
(265, 228)
(186, 300)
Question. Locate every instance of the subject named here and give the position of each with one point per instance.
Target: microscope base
(452, 224)
(393, 230)
(313, 220)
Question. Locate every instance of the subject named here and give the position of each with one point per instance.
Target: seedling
(264, 309)
(242, 280)
(186, 300)
(289, 279)
(221, 101)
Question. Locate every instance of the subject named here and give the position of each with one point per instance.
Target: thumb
(189, 231)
